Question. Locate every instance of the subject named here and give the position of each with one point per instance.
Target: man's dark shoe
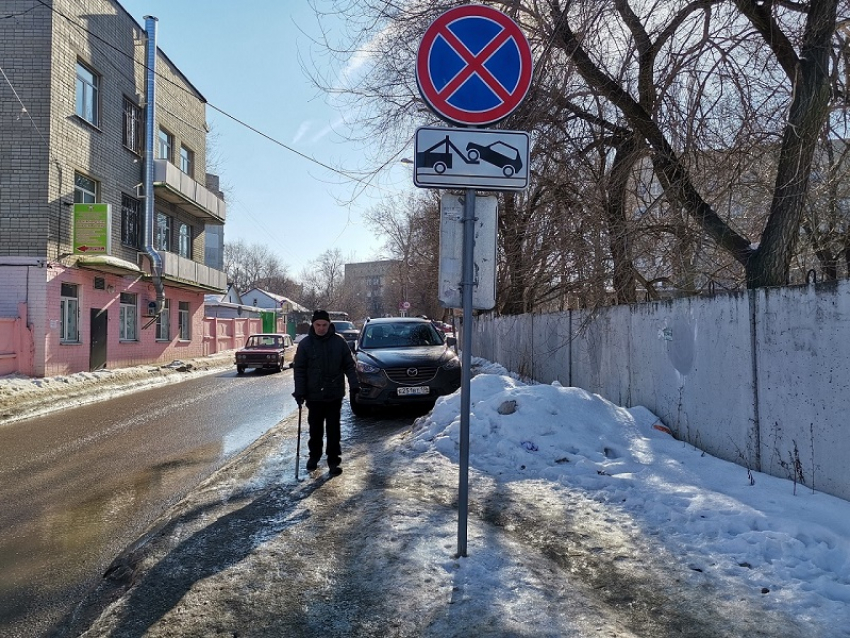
(335, 470)
(312, 464)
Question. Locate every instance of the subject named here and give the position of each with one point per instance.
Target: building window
(187, 161)
(184, 326)
(133, 126)
(185, 237)
(131, 221)
(163, 323)
(163, 232)
(88, 86)
(164, 145)
(128, 318)
(85, 189)
(69, 305)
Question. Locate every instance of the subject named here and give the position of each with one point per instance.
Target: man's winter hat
(321, 315)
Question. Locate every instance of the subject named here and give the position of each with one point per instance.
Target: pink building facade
(76, 167)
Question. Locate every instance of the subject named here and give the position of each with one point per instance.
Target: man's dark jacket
(321, 365)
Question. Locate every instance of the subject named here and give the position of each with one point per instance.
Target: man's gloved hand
(299, 399)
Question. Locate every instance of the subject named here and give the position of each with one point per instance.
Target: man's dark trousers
(319, 414)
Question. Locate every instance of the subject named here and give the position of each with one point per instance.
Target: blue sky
(244, 59)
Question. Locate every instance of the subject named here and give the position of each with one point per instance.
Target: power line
(253, 129)
(24, 110)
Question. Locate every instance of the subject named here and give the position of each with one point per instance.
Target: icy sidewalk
(252, 553)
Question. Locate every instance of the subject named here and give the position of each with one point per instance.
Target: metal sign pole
(487, 103)
(467, 281)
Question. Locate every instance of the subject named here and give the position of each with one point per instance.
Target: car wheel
(358, 409)
(473, 155)
(279, 367)
(240, 369)
(508, 171)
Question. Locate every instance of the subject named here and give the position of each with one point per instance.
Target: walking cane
(298, 444)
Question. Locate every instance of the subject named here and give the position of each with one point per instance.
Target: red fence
(228, 334)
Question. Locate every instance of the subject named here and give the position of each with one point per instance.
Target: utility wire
(95, 36)
(24, 109)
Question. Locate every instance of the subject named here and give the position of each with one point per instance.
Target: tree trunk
(616, 215)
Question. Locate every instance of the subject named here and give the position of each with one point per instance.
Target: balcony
(173, 185)
(185, 273)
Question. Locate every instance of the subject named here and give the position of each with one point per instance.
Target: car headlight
(365, 368)
(451, 364)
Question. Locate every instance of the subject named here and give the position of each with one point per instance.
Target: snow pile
(750, 528)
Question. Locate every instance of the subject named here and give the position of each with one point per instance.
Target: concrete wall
(801, 336)
(759, 378)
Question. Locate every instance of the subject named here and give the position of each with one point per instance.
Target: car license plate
(415, 390)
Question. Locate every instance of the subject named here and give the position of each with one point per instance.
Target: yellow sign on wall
(92, 229)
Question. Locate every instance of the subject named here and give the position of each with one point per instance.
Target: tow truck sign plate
(471, 158)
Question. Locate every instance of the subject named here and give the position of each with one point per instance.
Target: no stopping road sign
(473, 66)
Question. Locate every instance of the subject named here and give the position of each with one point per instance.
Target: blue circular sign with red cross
(473, 66)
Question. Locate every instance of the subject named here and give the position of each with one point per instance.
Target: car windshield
(343, 325)
(400, 335)
(264, 341)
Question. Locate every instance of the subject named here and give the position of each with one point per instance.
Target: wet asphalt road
(78, 486)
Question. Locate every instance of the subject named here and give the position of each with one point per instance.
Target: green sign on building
(92, 229)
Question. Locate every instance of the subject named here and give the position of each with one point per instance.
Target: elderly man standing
(322, 361)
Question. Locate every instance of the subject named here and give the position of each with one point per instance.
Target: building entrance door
(97, 348)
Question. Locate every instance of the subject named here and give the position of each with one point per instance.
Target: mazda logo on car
(412, 372)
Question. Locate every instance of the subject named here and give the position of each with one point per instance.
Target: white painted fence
(760, 378)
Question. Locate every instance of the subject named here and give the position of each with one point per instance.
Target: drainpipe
(150, 120)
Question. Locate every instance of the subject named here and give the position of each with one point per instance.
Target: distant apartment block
(373, 287)
(75, 242)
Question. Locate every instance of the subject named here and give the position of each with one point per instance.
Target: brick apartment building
(373, 287)
(72, 132)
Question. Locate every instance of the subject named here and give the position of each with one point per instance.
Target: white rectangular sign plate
(484, 253)
(471, 158)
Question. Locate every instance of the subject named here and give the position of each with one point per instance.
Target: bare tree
(410, 225)
(673, 139)
(248, 266)
(807, 87)
(322, 279)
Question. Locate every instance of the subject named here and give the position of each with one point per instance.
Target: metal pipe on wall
(150, 127)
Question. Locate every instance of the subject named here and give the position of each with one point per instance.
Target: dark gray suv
(403, 361)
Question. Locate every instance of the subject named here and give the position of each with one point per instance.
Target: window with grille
(163, 232)
(131, 221)
(133, 126)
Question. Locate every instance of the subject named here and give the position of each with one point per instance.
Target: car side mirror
(451, 341)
